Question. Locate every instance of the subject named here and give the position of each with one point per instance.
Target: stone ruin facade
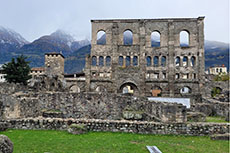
(139, 68)
(169, 70)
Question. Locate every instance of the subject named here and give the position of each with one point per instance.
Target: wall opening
(129, 88)
(184, 38)
(164, 76)
(120, 61)
(177, 76)
(163, 61)
(156, 91)
(193, 61)
(101, 37)
(127, 61)
(101, 61)
(101, 89)
(185, 90)
(185, 61)
(216, 91)
(155, 39)
(94, 61)
(148, 61)
(135, 61)
(108, 60)
(75, 89)
(128, 37)
(156, 61)
(177, 61)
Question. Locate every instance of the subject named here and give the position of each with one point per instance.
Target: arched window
(101, 61)
(163, 61)
(94, 61)
(128, 88)
(101, 89)
(127, 61)
(120, 61)
(185, 90)
(193, 61)
(185, 61)
(128, 37)
(184, 38)
(156, 61)
(75, 89)
(155, 39)
(148, 61)
(135, 61)
(101, 37)
(108, 60)
(177, 61)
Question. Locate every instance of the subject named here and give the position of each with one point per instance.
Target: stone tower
(54, 64)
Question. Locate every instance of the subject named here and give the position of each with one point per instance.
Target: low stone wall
(9, 88)
(213, 107)
(142, 127)
(88, 105)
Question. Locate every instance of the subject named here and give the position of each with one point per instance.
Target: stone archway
(100, 88)
(75, 89)
(128, 88)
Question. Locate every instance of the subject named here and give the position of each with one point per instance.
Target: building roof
(218, 66)
(38, 69)
(54, 53)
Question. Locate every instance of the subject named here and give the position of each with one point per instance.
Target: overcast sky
(35, 18)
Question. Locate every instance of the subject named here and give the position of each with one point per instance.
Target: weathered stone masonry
(142, 127)
(87, 105)
(104, 72)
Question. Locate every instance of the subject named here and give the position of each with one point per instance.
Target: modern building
(2, 78)
(215, 70)
(37, 71)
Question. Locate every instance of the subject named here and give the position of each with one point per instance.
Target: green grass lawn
(216, 119)
(37, 141)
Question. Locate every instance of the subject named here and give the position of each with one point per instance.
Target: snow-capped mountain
(10, 37)
(78, 44)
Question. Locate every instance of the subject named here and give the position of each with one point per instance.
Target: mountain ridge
(12, 44)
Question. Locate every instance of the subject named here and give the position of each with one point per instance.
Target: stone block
(196, 117)
(3, 126)
(77, 129)
(132, 115)
(225, 136)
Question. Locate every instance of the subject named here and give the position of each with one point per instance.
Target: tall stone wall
(143, 78)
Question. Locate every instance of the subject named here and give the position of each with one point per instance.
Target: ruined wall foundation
(142, 127)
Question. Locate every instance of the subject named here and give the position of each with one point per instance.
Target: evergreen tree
(17, 71)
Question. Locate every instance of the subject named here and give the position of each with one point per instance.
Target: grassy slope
(216, 119)
(28, 141)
